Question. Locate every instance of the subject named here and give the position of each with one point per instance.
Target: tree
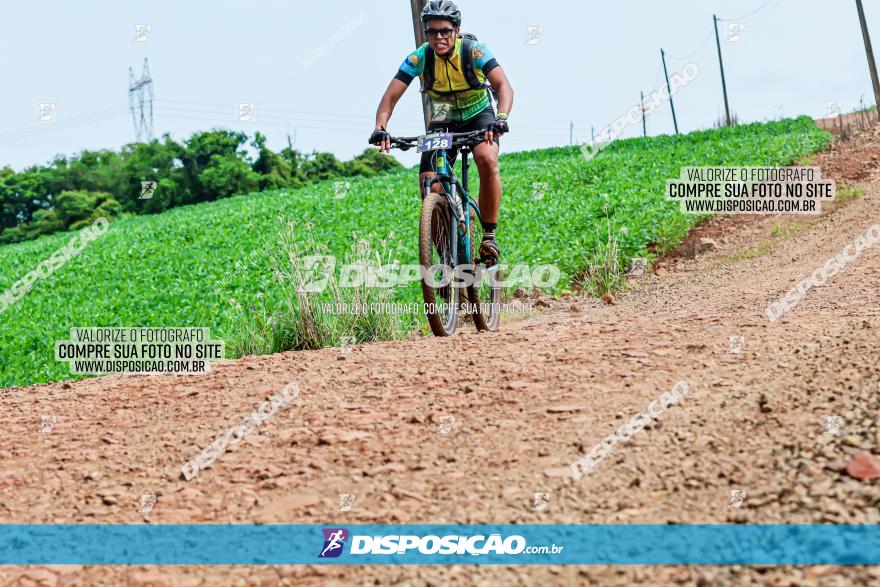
(370, 162)
(71, 210)
(153, 161)
(217, 148)
(21, 195)
(70, 192)
(227, 176)
(274, 170)
(322, 166)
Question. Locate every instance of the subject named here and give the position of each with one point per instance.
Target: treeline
(72, 192)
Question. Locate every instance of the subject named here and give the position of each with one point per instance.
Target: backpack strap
(467, 62)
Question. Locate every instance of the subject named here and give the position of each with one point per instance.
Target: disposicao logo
(443, 545)
(334, 541)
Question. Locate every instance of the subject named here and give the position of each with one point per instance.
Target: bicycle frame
(456, 248)
(456, 192)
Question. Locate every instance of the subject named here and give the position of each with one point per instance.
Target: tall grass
(302, 315)
(604, 273)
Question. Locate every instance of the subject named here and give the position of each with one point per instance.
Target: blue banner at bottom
(440, 544)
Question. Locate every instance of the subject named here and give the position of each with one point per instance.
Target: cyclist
(459, 97)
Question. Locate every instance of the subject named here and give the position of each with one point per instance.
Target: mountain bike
(449, 227)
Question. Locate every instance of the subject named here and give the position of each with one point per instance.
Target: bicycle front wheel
(437, 252)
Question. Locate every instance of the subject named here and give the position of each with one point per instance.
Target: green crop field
(181, 267)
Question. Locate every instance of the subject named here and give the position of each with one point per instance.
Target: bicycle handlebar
(459, 139)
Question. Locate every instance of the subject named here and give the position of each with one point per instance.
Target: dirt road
(418, 435)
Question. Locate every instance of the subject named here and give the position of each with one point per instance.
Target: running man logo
(147, 189)
(737, 497)
(47, 423)
(334, 542)
(542, 498)
(736, 344)
(638, 267)
(735, 32)
(47, 112)
(539, 188)
(147, 503)
(442, 112)
(141, 32)
(247, 111)
(446, 424)
(346, 500)
(833, 424)
(340, 189)
(535, 33)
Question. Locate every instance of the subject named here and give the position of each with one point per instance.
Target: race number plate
(435, 142)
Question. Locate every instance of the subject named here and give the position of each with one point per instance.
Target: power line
(261, 115)
(68, 121)
(204, 113)
(357, 130)
(48, 128)
(750, 14)
(336, 126)
(272, 124)
(229, 108)
(348, 126)
(657, 78)
(313, 116)
(700, 48)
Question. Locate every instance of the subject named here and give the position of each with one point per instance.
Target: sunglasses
(444, 33)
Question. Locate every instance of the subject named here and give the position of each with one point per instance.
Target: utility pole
(723, 81)
(593, 133)
(291, 143)
(872, 65)
(570, 133)
(669, 90)
(419, 32)
(644, 122)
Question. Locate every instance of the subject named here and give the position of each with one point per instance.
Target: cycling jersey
(478, 122)
(452, 98)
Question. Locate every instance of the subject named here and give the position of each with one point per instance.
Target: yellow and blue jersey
(451, 95)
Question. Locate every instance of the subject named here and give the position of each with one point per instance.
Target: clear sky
(594, 57)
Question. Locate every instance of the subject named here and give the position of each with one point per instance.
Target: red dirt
(370, 423)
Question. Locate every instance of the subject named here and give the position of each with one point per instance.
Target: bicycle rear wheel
(484, 296)
(437, 247)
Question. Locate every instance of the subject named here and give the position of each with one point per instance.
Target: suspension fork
(446, 173)
(465, 153)
(451, 194)
(464, 167)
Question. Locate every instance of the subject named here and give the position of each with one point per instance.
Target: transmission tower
(140, 102)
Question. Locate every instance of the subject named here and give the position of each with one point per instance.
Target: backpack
(467, 64)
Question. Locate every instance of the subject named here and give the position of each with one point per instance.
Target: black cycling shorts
(480, 121)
